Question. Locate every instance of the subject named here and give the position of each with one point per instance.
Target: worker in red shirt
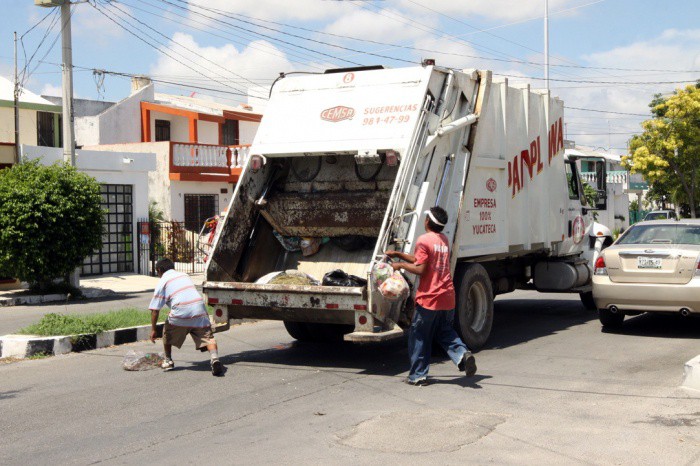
(435, 301)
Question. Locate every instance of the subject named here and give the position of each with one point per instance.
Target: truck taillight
(213, 300)
(599, 268)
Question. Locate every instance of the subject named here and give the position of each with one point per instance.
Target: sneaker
(468, 364)
(167, 364)
(216, 367)
(416, 383)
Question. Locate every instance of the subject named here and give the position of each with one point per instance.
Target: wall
(158, 180)
(27, 125)
(247, 130)
(178, 189)
(121, 123)
(109, 168)
(207, 132)
(179, 126)
(82, 107)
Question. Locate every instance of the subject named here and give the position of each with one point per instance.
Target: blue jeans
(427, 325)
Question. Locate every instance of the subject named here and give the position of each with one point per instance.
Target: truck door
(577, 222)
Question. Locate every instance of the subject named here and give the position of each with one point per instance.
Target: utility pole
(546, 43)
(67, 70)
(67, 65)
(16, 94)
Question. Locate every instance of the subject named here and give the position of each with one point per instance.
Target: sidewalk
(92, 288)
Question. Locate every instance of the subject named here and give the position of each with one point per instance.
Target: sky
(607, 57)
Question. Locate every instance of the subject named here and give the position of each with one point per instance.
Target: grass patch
(39, 356)
(71, 324)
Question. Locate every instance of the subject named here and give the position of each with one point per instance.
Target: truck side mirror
(601, 185)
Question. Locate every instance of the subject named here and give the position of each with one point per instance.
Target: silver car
(652, 267)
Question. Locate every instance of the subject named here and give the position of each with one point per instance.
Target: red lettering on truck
(484, 202)
(527, 160)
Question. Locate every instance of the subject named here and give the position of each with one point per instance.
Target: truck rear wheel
(474, 311)
(328, 332)
(298, 330)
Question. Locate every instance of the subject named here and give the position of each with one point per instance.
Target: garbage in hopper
(339, 278)
(309, 246)
(381, 272)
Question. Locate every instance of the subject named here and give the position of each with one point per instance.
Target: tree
(667, 153)
(50, 220)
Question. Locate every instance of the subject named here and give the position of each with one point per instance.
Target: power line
(606, 111)
(184, 47)
(228, 35)
(266, 35)
(164, 52)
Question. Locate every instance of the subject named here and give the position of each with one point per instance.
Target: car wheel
(611, 320)
(587, 300)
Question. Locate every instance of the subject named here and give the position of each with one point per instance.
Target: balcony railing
(615, 176)
(208, 158)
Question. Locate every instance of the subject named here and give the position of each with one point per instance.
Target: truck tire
(298, 330)
(474, 310)
(328, 333)
(587, 300)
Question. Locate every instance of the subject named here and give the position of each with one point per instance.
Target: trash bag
(352, 243)
(381, 272)
(309, 246)
(394, 287)
(340, 278)
(289, 243)
(140, 361)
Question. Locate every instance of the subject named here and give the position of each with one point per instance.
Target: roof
(581, 151)
(7, 93)
(201, 105)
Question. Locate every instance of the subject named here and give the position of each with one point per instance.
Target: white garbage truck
(352, 158)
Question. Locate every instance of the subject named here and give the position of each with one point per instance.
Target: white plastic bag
(140, 361)
(394, 287)
(381, 272)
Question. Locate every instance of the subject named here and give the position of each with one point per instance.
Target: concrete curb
(21, 346)
(691, 370)
(48, 298)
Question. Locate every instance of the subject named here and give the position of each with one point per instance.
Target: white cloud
(671, 50)
(88, 23)
(50, 89)
(304, 10)
(384, 25)
(224, 68)
(507, 10)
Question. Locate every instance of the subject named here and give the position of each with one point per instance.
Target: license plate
(648, 262)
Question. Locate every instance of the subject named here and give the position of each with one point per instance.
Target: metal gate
(117, 251)
(158, 240)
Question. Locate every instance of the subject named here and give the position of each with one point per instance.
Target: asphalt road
(13, 318)
(551, 389)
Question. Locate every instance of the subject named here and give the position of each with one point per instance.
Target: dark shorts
(175, 336)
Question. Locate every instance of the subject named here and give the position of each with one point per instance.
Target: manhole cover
(420, 431)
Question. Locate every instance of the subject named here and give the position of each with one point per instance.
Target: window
(229, 136)
(162, 130)
(46, 130)
(198, 208)
(571, 180)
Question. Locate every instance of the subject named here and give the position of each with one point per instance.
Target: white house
(200, 147)
(39, 121)
(123, 177)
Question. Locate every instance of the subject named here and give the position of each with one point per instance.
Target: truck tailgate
(305, 296)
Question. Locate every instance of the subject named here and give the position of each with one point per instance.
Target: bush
(50, 220)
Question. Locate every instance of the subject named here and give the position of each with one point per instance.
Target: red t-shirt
(435, 290)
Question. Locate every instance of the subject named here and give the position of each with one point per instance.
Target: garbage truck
(356, 156)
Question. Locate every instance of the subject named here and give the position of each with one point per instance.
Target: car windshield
(656, 216)
(661, 234)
